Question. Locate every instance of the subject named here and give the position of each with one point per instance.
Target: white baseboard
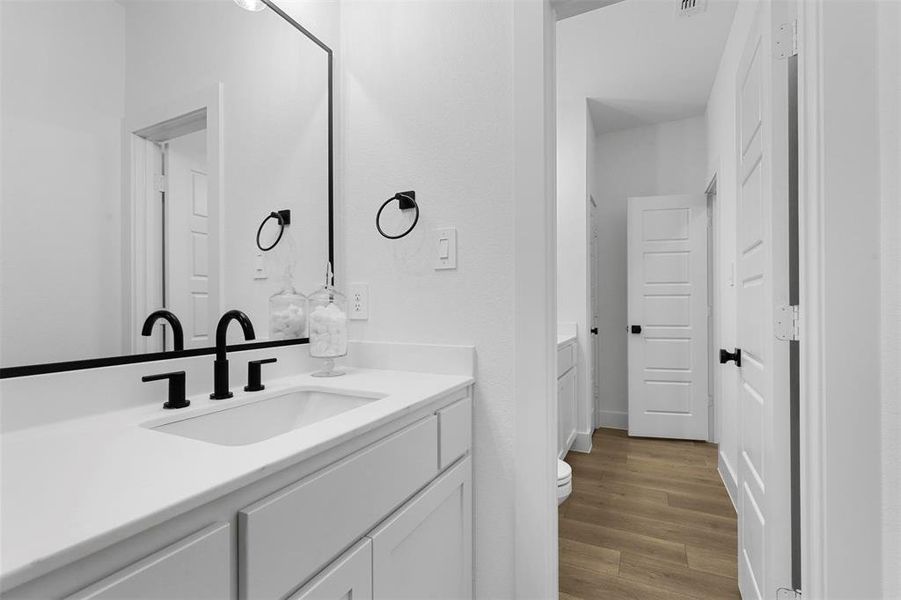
(613, 419)
(729, 479)
(582, 443)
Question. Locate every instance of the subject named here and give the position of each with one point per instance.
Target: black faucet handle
(176, 388)
(254, 376)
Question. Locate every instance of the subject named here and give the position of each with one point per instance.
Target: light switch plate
(446, 248)
(359, 301)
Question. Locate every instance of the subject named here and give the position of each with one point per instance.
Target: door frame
(713, 315)
(594, 336)
(824, 458)
(136, 193)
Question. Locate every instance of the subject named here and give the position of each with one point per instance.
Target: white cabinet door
(566, 411)
(424, 551)
(285, 538)
(561, 418)
(199, 566)
(348, 578)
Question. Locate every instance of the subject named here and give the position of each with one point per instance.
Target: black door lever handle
(726, 356)
(635, 329)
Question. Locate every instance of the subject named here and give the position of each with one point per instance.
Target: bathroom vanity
(152, 239)
(370, 495)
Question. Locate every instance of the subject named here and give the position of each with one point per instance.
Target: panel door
(198, 567)
(424, 551)
(764, 554)
(347, 578)
(667, 300)
(189, 282)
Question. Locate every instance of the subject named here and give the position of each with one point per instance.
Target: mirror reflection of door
(187, 279)
(177, 244)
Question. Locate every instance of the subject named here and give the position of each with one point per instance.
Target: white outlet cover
(358, 301)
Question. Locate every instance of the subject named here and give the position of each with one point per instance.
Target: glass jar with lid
(287, 314)
(328, 326)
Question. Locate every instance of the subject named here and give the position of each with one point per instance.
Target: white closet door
(667, 328)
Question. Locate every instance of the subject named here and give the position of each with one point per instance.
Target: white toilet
(564, 481)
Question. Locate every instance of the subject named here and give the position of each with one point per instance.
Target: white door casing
(667, 298)
(764, 488)
(146, 256)
(594, 342)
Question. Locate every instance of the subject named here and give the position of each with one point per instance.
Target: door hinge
(786, 40)
(787, 594)
(159, 183)
(787, 323)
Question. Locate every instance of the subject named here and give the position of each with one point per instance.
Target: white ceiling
(638, 63)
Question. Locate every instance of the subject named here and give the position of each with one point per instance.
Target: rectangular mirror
(144, 145)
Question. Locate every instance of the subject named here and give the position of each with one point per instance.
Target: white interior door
(764, 483)
(667, 329)
(189, 244)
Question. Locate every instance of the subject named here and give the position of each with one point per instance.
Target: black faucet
(169, 316)
(220, 365)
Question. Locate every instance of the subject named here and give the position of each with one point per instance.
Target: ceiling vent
(690, 8)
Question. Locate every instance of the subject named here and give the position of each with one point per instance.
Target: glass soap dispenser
(328, 325)
(287, 311)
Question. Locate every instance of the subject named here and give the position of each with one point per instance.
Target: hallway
(647, 519)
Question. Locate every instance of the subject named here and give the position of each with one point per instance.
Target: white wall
(572, 221)
(721, 163)
(61, 111)
(889, 17)
(428, 98)
(667, 158)
(274, 127)
(851, 232)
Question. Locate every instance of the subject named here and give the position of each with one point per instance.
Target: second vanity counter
(75, 487)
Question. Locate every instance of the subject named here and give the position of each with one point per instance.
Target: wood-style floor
(647, 519)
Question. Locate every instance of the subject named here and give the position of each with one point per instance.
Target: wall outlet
(359, 301)
(259, 268)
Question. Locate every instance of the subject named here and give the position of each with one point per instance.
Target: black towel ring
(284, 218)
(405, 201)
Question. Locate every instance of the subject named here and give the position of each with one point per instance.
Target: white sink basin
(260, 420)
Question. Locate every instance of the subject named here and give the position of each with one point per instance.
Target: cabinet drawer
(198, 566)
(286, 538)
(454, 432)
(349, 577)
(566, 359)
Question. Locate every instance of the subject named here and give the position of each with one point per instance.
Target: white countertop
(564, 339)
(72, 488)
